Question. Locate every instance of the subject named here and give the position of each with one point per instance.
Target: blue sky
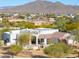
(20, 2)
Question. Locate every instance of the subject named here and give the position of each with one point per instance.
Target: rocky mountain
(42, 7)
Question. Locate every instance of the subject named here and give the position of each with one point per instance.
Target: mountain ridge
(42, 7)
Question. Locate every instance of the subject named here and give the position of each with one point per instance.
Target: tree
(15, 49)
(1, 43)
(50, 15)
(76, 32)
(29, 25)
(2, 15)
(24, 39)
(76, 18)
(46, 26)
(74, 29)
(26, 25)
(13, 24)
(6, 22)
(21, 17)
(58, 50)
(70, 27)
(61, 25)
(27, 14)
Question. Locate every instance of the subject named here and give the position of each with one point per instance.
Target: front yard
(32, 53)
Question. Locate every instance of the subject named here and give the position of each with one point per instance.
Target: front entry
(6, 41)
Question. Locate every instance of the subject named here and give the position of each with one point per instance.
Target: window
(33, 40)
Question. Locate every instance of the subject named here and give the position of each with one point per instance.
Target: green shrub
(15, 49)
(1, 43)
(24, 39)
(58, 50)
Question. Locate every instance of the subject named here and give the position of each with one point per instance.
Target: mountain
(42, 7)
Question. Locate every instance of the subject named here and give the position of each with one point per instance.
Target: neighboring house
(52, 20)
(15, 14)
(17, 20)
(32, 15)
(40, 21)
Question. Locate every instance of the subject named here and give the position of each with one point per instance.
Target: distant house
(15, 14)
(70, 15)
(40, 21)
(32, 15)
(17, 20)
(52, 19)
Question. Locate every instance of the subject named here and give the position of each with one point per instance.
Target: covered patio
(46, 39)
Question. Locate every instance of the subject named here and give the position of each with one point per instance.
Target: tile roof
(56, 35)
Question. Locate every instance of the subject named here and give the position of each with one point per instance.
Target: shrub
(58, 50)
(15, 49)
(24, 38)
(1, 43)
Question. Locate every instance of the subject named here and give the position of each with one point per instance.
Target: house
(35, 32)
(15, 14)
(52, 20)
(32, 15)
(42, 36)
(39, 21)
(17, 20)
